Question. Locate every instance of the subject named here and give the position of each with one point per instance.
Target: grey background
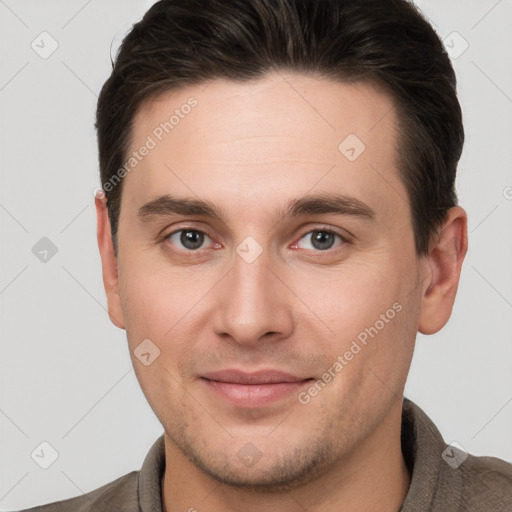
(65, 372)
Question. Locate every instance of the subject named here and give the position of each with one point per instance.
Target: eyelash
(321, 229)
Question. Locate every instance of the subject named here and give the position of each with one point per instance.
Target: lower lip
(255, 395)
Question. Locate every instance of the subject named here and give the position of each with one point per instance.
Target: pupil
(192, 239)
(322, 240)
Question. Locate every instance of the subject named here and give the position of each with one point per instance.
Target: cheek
(351, 297)
(159, 301)
(369, 317)
(147, 299)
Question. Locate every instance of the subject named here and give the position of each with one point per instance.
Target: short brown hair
(386, 42)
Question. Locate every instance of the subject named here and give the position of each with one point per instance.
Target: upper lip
(259, 377)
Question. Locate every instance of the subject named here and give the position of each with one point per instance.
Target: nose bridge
(253, 300)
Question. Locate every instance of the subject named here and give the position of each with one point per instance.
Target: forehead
(282, 131)
(278, 100)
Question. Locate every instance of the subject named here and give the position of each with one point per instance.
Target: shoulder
(487, 480)
(119, 495)
(130, 493)
(445, 477)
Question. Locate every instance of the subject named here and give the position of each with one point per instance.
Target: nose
(253, 303)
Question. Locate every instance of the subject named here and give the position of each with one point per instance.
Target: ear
(443, 266)
(108, 261)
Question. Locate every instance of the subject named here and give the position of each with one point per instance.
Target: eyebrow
(308, 205)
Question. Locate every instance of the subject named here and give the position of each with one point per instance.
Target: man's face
(305, 291)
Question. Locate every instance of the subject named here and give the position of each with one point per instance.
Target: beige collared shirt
(443, 478)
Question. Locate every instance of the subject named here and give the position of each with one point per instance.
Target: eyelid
(166, 237)
(162, 233)
(325, 228)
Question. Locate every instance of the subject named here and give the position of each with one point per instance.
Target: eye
(321, 239)
(190, 239)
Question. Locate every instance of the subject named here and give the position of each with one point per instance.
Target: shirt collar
(422, 446)
(149, 485)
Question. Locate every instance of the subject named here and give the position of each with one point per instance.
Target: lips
(259, 377)
(253, 390)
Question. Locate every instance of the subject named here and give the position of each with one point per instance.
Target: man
(278, 222)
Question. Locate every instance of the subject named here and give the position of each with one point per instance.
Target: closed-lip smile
(255, 389)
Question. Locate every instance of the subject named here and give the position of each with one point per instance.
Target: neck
(373, 477)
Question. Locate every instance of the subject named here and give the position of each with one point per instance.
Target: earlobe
(443, 267)
(108, 262)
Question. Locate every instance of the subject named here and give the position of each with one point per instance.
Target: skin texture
(250, 149)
